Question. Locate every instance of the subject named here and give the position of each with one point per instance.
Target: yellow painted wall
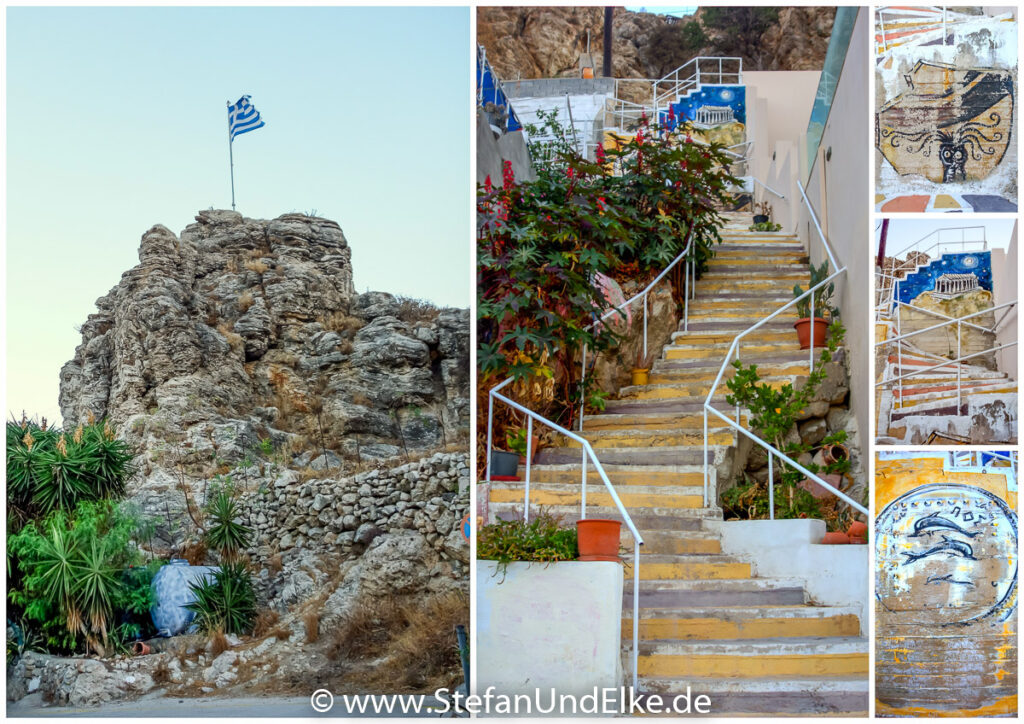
(946, 620)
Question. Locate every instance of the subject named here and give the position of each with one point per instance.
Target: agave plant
(226, 602)
(225, 535)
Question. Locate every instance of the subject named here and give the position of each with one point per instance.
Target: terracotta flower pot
(835, 453)
(598, 539)
(140, 648)
(803, 331)
(835, 538)
(640, 376)
(857, 529)
(858, 540)
(534, 449)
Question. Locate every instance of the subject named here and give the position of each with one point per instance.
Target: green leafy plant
(822, 296)
(226, 601)
(224, 534)
(48, 469)
(65, 573)
(773, 413)
(765, 226)
(543, 539)
(516, 441)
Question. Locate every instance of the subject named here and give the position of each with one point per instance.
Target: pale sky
(116, 121)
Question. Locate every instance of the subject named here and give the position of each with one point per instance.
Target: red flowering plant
(540, 244)
(672, 188)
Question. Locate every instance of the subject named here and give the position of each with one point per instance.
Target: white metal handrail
(588, 452)
(695, 78)
(690, 272)
(963, 242)
(766, 187)
(734, 349)
(960, 323)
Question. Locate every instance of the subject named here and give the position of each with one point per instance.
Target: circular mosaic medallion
(946, 554)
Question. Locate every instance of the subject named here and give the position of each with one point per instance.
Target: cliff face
(246, 334)
(539, 42)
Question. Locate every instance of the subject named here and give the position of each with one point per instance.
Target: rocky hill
(244, 334)
(238, 353)
(542, 42)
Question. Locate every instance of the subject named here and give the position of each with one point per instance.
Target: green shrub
(49, 470)
(226, 602)
(543, 539)
(224, 535)
(66, 573)
(765, 226)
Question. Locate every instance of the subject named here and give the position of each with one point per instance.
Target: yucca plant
(225, 535)
(226, 601)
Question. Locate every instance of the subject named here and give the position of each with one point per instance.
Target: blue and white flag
(243, 117)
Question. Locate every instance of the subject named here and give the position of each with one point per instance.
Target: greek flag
(243, 117)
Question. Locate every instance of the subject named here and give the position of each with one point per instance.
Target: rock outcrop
(545, 42)
(244, 339)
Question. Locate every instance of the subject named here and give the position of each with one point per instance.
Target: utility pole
(607, 70)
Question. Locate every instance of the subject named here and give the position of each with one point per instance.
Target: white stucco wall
(832, 575)
(839, 189)
(1004, 288)
(555, 625)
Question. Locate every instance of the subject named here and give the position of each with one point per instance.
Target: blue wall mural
(489, 91)
(978, 263)
(734, 96)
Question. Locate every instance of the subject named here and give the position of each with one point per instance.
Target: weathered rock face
(543, 42)
(246, 334)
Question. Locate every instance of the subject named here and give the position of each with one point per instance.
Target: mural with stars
(923, 280)
(733, 96)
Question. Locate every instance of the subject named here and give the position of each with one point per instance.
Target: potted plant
(504, 464)
(764, 213)
(598, 539)
(822, 305)
(642, 369)
(543, 540)
(517, 444)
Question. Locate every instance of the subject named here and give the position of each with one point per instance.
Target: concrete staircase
(707, 622)
(926, 409)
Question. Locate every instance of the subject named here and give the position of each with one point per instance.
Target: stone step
(736, 592)
(673, 542)
(698, 391)
(645, 519)
(755, 658)
(723, 338)
(634, 498)
(718, 351)
(637, 456)
(788, 371)
(728, 255)
(700, 328)
(762, 360)
(650, 439)
(680, 476)
(745, 622)
(740, 286)
(824, 695)
(695, 567)
(651, 422)
(925, 399)
(948, 388)
(795, 271)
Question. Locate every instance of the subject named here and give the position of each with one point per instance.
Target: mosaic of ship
(953, 124)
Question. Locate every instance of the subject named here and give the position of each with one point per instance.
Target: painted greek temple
(948, 286)
(714, 115)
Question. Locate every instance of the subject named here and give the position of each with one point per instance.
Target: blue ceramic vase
(171, 588)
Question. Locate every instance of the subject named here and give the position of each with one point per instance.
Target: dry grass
(341, 322)
(194, 552)
(232, 265)
(266, 620)
(345, 346)
(415, 311)
(415, 638)
(234, 339)
(311, 620)
(244, 302)
(162, 673)
(256, 265)
(218, 643)
(358, 398)
(275, 564)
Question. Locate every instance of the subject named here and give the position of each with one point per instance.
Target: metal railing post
(645, 328)
(636, 612)
(771, 485)
(490, 428)
(529, 456)
(583, 387)
(813, 294)
(959, 366)
(583, 489)
(705, 456)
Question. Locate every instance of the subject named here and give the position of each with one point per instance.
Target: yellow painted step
(791, 369)
(691, 571)
(598, 498)
(662, 421)
(739, 666)
(619, 477)
(712, 353)
(699, 392)
(754, 628)
(658, 543)
(695, 438)
(910, 402)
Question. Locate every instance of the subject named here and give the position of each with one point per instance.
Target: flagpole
(231, 157)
